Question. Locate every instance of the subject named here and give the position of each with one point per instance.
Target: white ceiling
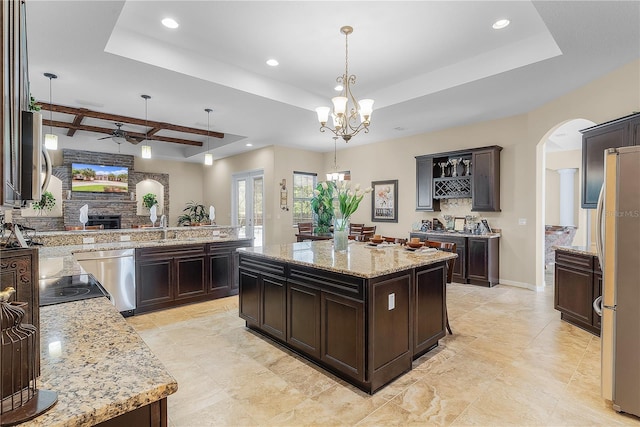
(429, 65)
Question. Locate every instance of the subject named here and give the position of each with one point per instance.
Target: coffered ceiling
(429, 65)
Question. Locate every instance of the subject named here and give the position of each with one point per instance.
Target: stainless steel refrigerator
(618, 244)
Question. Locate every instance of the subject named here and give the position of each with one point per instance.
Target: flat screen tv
(99, 178)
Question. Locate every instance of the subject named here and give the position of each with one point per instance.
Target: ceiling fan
(119, 136)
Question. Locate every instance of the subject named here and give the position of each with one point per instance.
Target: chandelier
(335, 176)
(348, 120)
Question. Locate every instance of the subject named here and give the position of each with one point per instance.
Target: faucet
(163, 225)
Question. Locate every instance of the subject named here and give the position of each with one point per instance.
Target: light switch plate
(88, 240)
(392, 301)
(522, 221)
(125, 238)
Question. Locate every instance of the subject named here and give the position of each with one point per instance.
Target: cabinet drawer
(170, 252)
(582, 262)
(262, 265)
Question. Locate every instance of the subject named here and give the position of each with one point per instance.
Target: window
(303, 185)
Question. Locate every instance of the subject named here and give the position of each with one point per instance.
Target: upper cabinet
(614, 134)
(473, 173)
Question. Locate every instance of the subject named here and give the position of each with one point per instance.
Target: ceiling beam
(81, 113)
(109, 131)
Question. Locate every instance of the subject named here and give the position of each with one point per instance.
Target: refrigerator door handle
(597, 305)
(600, 228)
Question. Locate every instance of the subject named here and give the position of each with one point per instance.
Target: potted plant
(46, 203)
(195, 213)
(322, 206)
(148, 200)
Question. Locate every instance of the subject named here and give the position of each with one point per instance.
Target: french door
(247, 205)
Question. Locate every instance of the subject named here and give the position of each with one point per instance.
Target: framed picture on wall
(384, 201)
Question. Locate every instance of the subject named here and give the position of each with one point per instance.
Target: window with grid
(303, 185)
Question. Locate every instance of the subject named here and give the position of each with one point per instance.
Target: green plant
(148, 200)
(195, 213)
(322, 206)
(33, 105)
(46, 203)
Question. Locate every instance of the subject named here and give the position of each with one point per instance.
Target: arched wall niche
(156, 183)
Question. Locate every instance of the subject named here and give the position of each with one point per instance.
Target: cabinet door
(429, 308)
(460, 266)
(342, 334)
(574, 293)
(249, 296)
(303, 321)
(424, 185)
(220, 273)
(485, 180)
(190, 276)
(478, 259)
(593, 145)
(274, 299)
(154, 283)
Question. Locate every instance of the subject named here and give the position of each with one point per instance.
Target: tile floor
(511, 361)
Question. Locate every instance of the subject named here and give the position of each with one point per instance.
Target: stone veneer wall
(99, 203)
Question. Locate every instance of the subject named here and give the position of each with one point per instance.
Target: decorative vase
(340, 234)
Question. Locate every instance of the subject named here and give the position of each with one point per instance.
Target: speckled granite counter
(458, 234)
(56, 261)
(97, 363)
(360, 260)
(580, 250)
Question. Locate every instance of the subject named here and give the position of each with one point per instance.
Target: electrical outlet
(392, 301)
(522, 221)
(88, 240)
(125, 238)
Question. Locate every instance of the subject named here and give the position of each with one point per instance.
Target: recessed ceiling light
(500, 24)
(248, 144)
(272, 62)
(338, 88)
(170, 23)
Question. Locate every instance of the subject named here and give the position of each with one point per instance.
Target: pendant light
(145, 149)
(50, 140)
(335, 176)
(208, 157)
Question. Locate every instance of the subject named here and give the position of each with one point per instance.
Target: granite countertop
(580, 250)
(361, 259)
(97, 363)
(458, 234)
(56, 261)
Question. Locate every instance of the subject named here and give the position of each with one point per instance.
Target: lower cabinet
(169, 276)
(360, 329)
(578, 282)
(429, 309)
(478, 261)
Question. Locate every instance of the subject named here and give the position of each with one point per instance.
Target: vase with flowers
(322, 206)
(347, 202)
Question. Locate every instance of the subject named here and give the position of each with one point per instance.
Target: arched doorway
(565, 140)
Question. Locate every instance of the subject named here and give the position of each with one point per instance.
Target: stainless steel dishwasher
(116, 272)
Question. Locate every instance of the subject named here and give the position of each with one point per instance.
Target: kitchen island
(101, 369)
(363, 314)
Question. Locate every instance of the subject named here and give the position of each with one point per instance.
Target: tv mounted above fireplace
(91, 178)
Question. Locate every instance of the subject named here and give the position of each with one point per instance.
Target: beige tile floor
(510, 361)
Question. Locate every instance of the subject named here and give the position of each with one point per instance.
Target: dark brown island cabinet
(478, 260)
(578, 282)
(346, 324)
(170, 276)
(472, 173)
(617, 133)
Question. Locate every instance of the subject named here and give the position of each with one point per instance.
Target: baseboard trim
(522, 285)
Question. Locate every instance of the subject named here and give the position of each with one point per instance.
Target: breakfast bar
(363, 314)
